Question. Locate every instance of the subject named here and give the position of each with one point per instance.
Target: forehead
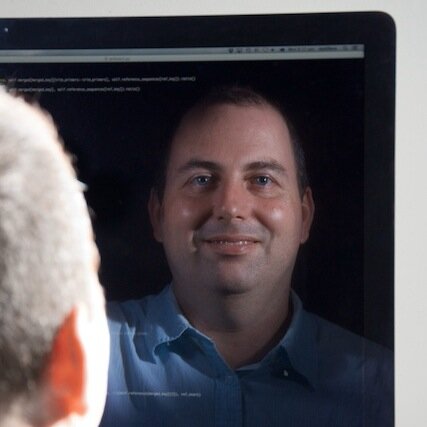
(232, 133)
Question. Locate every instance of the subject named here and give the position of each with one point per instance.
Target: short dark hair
(239, 96)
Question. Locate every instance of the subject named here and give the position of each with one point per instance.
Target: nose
(231, 201)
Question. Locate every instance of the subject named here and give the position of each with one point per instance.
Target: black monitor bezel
(375, 30)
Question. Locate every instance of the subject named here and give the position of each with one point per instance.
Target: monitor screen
(115, 88)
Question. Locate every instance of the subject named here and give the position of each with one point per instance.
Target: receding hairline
(239, 96)
(195, 116)
(201, 111)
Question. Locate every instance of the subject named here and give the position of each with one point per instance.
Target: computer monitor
(115, 86)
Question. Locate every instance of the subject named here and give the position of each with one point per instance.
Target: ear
(307, 206)
(155, 212)
(64, 375)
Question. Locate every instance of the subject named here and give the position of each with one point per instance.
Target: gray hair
(46, 247)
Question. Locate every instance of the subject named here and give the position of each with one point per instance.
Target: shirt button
(285, 373)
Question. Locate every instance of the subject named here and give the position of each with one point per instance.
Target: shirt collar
(167, 323)
(297, 347)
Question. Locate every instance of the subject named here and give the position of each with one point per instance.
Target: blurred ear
(64, 375)
(155, 212)
(307, 206)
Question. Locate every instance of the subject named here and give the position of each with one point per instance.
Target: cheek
(282, 220)
(277, 218)
(186, 213)
(181, 219)
(183, 216)
(277, 215)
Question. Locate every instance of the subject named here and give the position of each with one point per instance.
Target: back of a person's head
(47, 257)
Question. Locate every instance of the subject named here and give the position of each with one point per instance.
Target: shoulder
(134, 321)
(135, 329)
(133, 313)
(333, 339)
(351, 358)
(354, 370)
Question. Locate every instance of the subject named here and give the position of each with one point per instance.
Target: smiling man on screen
(228, 343)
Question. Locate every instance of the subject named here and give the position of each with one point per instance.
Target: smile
(231, 242)
(231, 245)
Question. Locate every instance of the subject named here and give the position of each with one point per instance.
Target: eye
(201, 180)
(262, 180)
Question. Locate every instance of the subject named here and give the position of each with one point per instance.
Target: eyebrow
(272, 165)
(199, 164)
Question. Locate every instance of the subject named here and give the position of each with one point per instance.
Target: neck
(244, 327)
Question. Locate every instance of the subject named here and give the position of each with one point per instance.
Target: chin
(232, 287)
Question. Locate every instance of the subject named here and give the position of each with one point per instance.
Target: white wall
(411, 152)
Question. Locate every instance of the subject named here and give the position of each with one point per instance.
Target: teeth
(231, 242)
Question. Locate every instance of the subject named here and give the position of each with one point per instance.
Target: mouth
(231, 245)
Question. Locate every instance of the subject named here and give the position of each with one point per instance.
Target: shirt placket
(227, 391)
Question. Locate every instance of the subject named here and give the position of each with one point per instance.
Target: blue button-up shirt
(164, 372)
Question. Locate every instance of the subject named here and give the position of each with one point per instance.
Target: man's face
(232, 218)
